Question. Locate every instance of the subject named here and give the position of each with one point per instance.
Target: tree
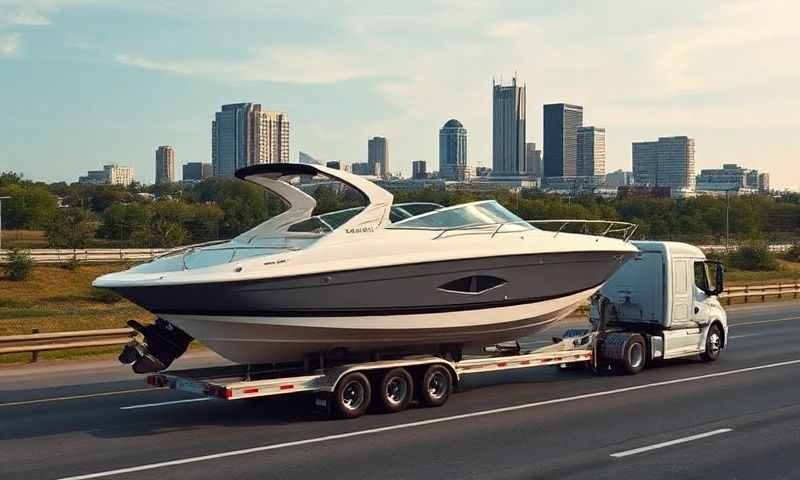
(29, 206)
(70, 228)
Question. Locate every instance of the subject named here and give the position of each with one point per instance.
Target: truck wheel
(436, 385)
(352, 395)
(396, 390)
(713, 344)
(634, 355)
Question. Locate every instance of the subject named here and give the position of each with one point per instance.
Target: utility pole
(1, 220)
(727, 220)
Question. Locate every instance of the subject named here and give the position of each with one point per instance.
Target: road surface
(736, 418)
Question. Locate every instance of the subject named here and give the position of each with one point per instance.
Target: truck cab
(669, 292)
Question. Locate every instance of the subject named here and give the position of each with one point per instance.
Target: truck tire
(352, 395)
(713, 344)
(634, 355)
(395, 390)
(435, 386)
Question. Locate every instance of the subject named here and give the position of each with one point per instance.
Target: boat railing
(187, 250)
(602, 228)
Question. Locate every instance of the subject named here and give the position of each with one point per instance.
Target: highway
(736, 418)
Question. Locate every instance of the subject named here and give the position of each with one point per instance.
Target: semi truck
(662, 304)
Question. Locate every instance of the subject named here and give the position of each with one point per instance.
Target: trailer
(660, 305)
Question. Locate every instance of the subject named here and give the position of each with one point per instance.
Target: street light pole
(1, 220)
(727, 220)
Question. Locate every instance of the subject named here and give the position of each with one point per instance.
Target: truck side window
(700, 275)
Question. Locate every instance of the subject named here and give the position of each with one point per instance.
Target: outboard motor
(163, 343)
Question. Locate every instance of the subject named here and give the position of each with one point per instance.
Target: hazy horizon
(88, 82)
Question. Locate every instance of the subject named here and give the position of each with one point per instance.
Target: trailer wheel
(352, 395)
(634, 355)
(713, 344)
(396, 390)
(436, 385)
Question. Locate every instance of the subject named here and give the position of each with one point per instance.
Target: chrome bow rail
(601, 228)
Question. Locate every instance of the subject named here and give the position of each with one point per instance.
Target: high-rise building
(452, 150)
(508, 129)
(590, 152)
(732, 177)
(110, 175)
(534, 166)
(165, 164)
(619, 178)
(419, 170)
(763, 182)
(378, 154)
(364, 168)
(243, 134)
(669, 162)
(197, 171)
(561, 122)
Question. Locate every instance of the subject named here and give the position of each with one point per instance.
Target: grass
(789, 273)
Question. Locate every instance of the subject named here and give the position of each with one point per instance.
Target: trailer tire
(634, 355)
(435, 386)
(395, 390)
(713, 344)
(352, 395)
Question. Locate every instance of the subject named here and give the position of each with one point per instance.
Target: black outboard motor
(163, 343)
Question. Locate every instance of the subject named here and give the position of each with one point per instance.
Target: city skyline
(645, 71)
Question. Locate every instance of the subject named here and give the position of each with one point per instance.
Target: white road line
(747, 335)
(327, 438)
(148, 405)
(78, 397)
(671, 442)
(739, 324)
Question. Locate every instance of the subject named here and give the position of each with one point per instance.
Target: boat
(373, 278)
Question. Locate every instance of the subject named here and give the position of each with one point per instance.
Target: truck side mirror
(719, 279)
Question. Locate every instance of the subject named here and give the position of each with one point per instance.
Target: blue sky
(85, 82)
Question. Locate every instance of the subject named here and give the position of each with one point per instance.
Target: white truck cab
(668, 291)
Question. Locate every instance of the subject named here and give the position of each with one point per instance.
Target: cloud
(10, 45)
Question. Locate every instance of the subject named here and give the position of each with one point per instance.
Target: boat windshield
(475, 214)
(329, 222)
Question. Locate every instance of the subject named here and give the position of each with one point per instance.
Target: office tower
(452, 150)
(364, 168)
(378, 154)
(590, 152)
(730, 177)
(244, 134)
(533, 160)
(508, 129)
(165, 164)
(419, 170)
(561, 122)
(668, 162)
(112, 174)
(197, 171)
(619, 178)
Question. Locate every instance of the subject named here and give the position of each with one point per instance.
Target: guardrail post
(780, 290)
(746, 293)
(34, 354)
(763, 294)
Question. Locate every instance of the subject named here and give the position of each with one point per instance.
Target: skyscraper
(533, 160)
(590, 152)
(561, 122)
(669, 162)
(243, 134)
(452, 150)
(378, 154)
(196, 171)
(165, 164)
(508, 129)
(418, 169)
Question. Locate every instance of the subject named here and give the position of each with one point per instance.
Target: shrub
(104, 296)
(793, 253)
(753, 257)
(72, 264)
(19, 264)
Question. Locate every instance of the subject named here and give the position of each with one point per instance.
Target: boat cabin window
(476, 214)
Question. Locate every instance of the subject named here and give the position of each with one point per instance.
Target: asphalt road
(736, 418)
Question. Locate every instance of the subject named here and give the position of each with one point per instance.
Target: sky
(85, 83)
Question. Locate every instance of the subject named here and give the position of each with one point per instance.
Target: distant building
(574, 185)
(305, 158)
(243, 134)
(334, 164)
(419, 170)
(668, 162)
(619, 178)
(534, 165)
(590, 152)
(452, 150)
(733, 178)
(364, 168)
(197, 171)
(378, 154)
(561, 123)
(643, 191)
(165, 164)
(482, 171)
(508, 129)
(110, 175)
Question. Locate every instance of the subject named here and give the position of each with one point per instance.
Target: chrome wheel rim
(437, 385)
(636, 355)
(396, 390)
(353, 395)
(714, 343)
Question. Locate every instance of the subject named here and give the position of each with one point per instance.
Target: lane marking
(739, 324)
(148, 405)
(77, 397)
(677, 441)
(748, 335)
(359, 433)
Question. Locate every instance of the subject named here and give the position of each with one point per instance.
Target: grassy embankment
(55, 299)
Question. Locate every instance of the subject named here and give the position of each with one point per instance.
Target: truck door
(684, 334)
(681, 293)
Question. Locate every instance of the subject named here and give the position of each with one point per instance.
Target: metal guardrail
(39, 342)
(90, 255)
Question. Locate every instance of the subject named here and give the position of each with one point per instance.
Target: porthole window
(475, 284)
